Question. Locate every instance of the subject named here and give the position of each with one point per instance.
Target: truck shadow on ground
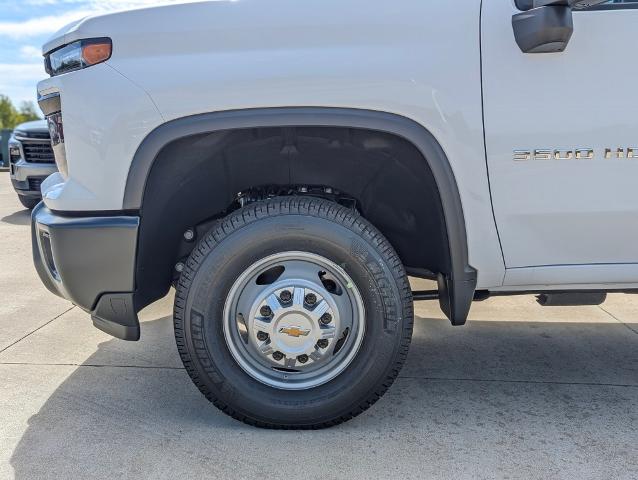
(23, 217)
(505, 398)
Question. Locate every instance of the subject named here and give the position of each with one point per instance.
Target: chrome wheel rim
(294, 320)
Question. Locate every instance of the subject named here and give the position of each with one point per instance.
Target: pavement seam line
(618, 319)
(92, 365)
(534, 382)
(408, 377)
(39, 328)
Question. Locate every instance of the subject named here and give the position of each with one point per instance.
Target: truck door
(561, 131)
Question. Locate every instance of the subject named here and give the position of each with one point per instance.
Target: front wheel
(293, 313)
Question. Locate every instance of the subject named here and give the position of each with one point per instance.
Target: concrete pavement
(520, 392)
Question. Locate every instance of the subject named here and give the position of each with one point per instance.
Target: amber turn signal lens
(96, 53)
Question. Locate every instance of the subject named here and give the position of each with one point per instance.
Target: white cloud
(29, 52)
(40, 25)
(22, 71)
(18, 80)
(20, 93)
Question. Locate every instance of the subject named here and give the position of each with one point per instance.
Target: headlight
(78, 55)
(14, 153)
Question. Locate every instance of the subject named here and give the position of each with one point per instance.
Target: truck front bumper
(90, 261)
(26, 177)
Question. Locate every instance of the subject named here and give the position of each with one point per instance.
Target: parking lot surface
(522, 391)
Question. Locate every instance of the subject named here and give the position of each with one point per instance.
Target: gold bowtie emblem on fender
(294, 332)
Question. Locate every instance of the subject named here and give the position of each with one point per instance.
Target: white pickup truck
(287, 164)
(31, 160)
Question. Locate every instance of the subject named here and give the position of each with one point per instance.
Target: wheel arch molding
(456, 287)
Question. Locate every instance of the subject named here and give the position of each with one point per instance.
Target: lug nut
(262, 336)
(179, 267)
(278, 356)
(285, 296)
(323, 343)
(325, 319)
(265, 311)
(302, 358)
(310, 299)
(189, 235)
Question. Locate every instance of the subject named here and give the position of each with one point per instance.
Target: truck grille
(38, 152)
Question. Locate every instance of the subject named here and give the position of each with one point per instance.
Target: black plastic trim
(572, 299)
(546, 29)
(95, 213)
(115, 315)
(526, 5)
(81, 259)
(458, 287)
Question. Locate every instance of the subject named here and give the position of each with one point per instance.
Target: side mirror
(574, 4)
(546, 26)
(543, 29)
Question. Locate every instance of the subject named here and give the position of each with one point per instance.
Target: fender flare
(456, 289)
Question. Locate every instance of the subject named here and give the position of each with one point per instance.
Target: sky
(25, 25)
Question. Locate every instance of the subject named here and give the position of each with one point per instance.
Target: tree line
(12, 116)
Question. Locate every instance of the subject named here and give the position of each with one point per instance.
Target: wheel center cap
(294, 333)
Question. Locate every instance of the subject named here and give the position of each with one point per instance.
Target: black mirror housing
(526, 5)
(544, 29)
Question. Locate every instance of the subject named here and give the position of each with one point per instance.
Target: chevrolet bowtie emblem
(294, 331)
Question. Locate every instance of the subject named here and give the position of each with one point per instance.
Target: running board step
(548, 299)
(571, 299)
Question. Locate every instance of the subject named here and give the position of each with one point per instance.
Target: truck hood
(59, 38)
(101, 24)
(37, 126)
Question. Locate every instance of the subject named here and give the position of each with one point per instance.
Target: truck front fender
(456, 287)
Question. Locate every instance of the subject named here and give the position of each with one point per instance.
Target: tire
(304, 231)
(28, 202)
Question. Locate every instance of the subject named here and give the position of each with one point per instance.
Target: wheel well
(197, 178)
